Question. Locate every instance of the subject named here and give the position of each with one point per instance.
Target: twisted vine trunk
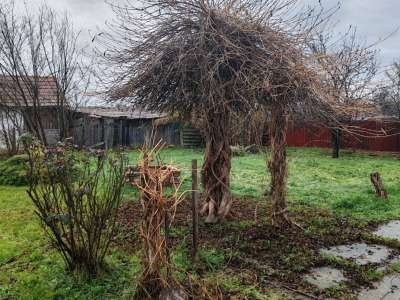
(152, 281)
(216, 167)
(278, 166)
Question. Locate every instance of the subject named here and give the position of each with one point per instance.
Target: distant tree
(349, 67)
(37, 45)
(388, 95)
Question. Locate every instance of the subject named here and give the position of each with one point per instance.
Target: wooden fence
(311, 135)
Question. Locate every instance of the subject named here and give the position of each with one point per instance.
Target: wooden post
(378, 185)
(195, 214)
(335, 142)
(181, 137)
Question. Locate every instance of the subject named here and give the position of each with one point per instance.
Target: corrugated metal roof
(115, 112)
(18, 91)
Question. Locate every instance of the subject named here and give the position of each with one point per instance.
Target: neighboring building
(115, 126)
(89, 126)
(20, 100)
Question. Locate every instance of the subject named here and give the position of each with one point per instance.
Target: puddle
(325, 277)
(362, 253)
(390, 230)
(387, 289)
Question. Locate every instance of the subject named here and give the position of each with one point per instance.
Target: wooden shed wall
(89, 131)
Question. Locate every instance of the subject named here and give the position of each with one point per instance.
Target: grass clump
(212, 259)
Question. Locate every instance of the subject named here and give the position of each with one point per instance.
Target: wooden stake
(195, 214)
(378, 185)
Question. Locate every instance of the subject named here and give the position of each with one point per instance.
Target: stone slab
(386, 289)
(362, 253)
(325, 277)
(390, 230)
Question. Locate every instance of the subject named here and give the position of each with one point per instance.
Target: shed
(120, 126)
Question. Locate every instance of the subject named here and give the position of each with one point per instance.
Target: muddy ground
(260, 254)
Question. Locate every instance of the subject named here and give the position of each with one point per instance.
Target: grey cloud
(375, 19)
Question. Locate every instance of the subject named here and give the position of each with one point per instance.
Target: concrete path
(386, 289)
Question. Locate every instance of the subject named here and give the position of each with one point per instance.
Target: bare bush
(76, 198)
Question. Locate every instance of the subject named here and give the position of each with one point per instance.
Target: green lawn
(314, 177)
(30, 269)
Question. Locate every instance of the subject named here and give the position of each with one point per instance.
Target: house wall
(48, 117)
(9, 126)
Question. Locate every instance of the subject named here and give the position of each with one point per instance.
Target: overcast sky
(375, 19)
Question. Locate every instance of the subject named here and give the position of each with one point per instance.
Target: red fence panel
(313, 135)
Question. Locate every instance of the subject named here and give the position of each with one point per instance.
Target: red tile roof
(18, 91)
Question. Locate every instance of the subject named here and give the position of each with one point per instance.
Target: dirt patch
(128, 225)
(251, 244)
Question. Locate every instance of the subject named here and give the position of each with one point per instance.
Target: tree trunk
(14, 142)
(278, 166)
(216, 167)
(336, 134)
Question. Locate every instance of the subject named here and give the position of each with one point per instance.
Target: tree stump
(377, 183)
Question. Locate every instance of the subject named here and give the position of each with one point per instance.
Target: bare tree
(40, 65)
(349, 67)
(217, 59)
(388, 95)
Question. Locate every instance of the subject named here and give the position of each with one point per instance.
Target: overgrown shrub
(76, 196)
(13, 171)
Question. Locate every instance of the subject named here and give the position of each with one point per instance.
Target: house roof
(118, 112)
(18, 91)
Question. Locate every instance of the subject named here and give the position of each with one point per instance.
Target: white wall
(7, 124)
